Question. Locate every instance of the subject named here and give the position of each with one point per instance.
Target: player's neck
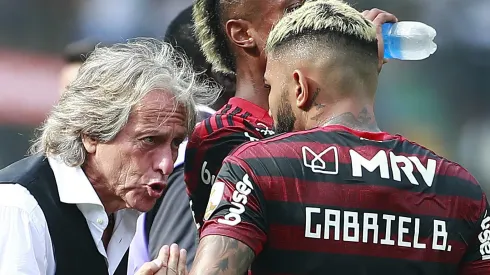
(250, 85)
(350, 113)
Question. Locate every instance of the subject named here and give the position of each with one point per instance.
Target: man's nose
(165, 161)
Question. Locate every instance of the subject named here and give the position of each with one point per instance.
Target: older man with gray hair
(103, 155)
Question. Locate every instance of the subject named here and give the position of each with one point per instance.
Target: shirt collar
(73, 185)
(256, 111)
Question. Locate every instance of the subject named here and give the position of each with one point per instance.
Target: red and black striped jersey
(213, 139)
(337, 201)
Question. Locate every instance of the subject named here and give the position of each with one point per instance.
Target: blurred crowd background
(441, 102)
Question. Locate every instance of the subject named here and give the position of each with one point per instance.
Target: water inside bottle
(415, 40)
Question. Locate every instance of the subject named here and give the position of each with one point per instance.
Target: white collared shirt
(25, 243)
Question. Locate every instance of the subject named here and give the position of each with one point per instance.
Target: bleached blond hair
(211, 36)
(109, 85)
(321, 17)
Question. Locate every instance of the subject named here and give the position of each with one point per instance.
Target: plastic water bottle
(408, 40)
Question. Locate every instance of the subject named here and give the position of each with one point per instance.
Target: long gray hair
(109, 84)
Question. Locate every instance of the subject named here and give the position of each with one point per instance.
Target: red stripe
(294, 150)
(212, 121)
(224, 121)
(283, 237)
(333, 128)
(372, 197)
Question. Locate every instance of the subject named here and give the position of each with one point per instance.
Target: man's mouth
(156, 189)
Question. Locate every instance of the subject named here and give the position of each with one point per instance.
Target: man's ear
(90, 144)
(302, 93)
(238, 32)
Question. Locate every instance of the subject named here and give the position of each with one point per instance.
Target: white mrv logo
(380, 160)
(239, 200)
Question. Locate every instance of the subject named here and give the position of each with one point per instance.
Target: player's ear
(238, 32)
(301, 91)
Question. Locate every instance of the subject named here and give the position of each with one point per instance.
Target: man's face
(136, 164)
(281, 97)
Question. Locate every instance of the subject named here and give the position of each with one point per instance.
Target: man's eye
(148, 140)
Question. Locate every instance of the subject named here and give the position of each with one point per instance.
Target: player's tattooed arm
(219, 255)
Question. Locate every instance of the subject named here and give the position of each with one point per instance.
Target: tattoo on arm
(222, 256)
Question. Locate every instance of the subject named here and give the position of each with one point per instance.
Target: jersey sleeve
(203, 160)
(236, 207)
(477, 257)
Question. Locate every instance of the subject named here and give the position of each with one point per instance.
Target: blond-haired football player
(336, 195)
(232, 35)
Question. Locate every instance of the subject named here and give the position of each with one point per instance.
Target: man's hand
(379, 17)
(150, 268)
(176, 263)
(170, 261)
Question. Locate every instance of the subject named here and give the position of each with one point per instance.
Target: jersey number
(206, 176)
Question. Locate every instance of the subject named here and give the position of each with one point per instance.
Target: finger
(149, 268)
(182, 262)
(163, 255)
(385, 17)
(173, 261)
(364, 13)
(372, 13)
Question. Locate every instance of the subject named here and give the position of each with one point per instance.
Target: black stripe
(246, 115)
(190, 153)
(230, 120)
(292, 168)
(232, 114)
(226, 109)
(293, 214)
(207, 124)
(236, 111)
(219, 123)
(301, 262)
(249, 126)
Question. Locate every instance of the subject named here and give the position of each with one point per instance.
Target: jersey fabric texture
(237, 122)
(337, 201)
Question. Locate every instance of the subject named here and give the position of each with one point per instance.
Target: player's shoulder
(269, 146)
(222, 120)
(445, 166)
(229, 125)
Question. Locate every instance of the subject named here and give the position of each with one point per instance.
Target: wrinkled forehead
(160, 107)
